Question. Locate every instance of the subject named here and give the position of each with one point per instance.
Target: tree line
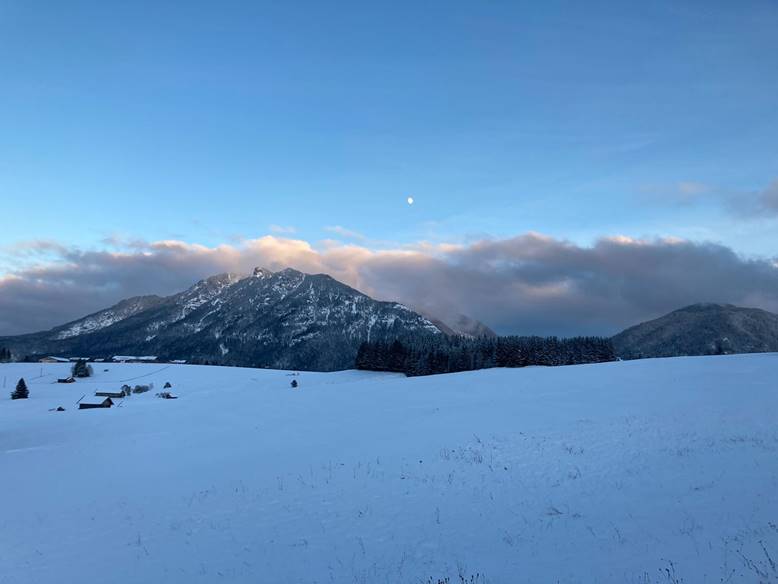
(431, 355)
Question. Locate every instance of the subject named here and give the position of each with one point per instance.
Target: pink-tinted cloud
(529, 284)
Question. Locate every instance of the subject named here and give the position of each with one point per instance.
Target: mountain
(470, 327)
(460, 325)
(701, 329)
(286, 319)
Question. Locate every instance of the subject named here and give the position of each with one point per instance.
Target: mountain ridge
(284, 319)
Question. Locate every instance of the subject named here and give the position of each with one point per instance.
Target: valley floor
(660, 470)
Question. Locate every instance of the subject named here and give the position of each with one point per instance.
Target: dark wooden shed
(115, 394)
(95, 402)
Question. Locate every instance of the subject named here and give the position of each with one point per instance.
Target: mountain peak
(262, 273)
(290, 271)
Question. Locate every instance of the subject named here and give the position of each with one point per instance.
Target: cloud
(691, 189)
(680, 193)
(282, 229)
(347, 233)
(757, 204)
(767, 200)
(529, 284)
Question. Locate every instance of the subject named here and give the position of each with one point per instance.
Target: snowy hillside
(647, 471)
(105, 318)
(701, 329)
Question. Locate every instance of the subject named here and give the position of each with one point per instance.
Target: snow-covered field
(648, 471)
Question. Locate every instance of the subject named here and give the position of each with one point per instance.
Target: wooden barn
(89, 403)
(114, 394)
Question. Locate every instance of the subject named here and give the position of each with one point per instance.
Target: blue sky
(207, 122)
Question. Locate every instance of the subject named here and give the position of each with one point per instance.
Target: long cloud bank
(529, 284)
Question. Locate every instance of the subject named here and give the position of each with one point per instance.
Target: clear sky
(207, 121)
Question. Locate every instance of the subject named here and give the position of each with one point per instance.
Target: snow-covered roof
(94, 400)
(134, 358)
(58, 359)
(178, 361)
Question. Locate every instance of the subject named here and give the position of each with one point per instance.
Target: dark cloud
(527, 284)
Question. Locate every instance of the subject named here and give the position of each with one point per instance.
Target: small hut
(89, 403)
(114, 394)
(66, 380)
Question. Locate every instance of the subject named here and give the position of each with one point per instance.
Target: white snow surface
(637, 471)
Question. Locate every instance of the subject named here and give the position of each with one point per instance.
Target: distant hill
(701, 329)
(285, 320)
(461, 325)
(469, 327)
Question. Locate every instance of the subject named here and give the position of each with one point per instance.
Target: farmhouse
(89, 403)
(53, 360)
(114, 394)
(134, 359)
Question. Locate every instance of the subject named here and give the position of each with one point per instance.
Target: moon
(410, 200)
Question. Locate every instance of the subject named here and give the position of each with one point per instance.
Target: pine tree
(81, 369)
(21, 391)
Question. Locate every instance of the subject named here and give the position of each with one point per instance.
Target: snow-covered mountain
(285, 319)
(469, 327)
(459, 325)
(701, 329)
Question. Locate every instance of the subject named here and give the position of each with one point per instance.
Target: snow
(105, 318)
(91, 324)
(637, 471)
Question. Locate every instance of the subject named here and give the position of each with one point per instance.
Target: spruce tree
(81, 369)
(21, 391)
